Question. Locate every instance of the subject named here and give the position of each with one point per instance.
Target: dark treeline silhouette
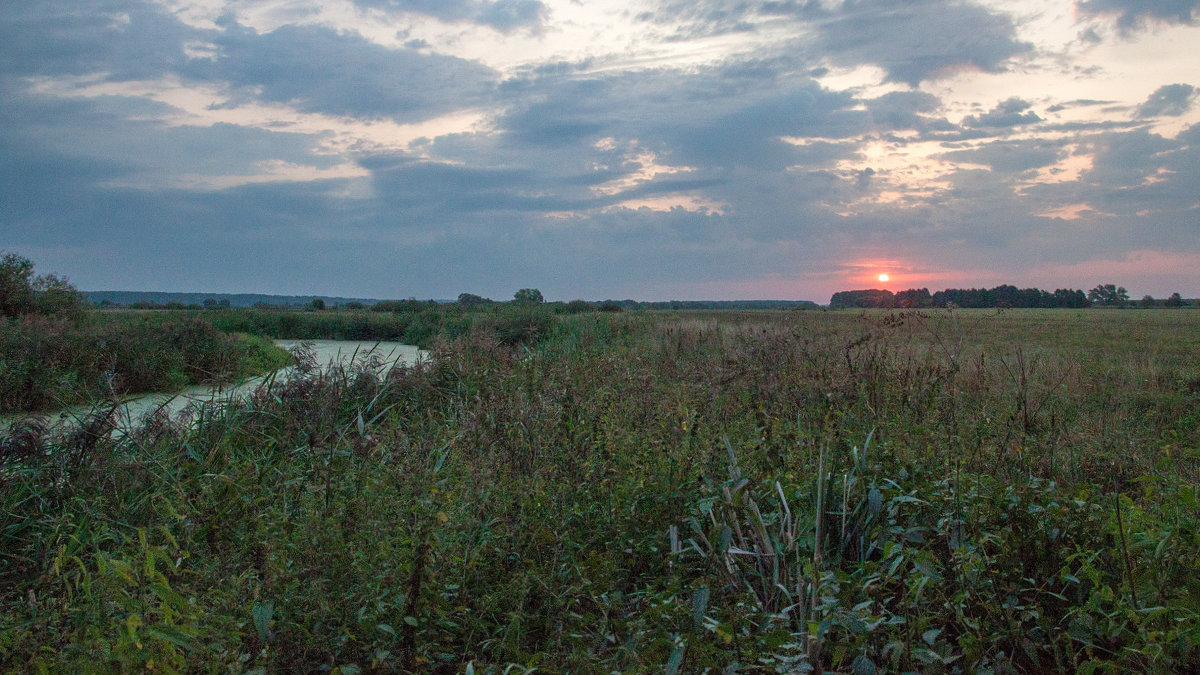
(1000, 296)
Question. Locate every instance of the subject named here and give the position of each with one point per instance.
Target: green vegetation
(409, 321)
(777, 491)
(1005, 296)
(55, 350)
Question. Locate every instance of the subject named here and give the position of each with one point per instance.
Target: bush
(22, 293)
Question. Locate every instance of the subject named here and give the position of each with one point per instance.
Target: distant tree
(55, 295)
(914, 297)
(317, 304)
(531, 296)
(863, 299)
(397, 306)
(1147, 301)
(1175, 300)
(578, 307)
(354, 305)
(23, 293)
(1109, 294)
(472, 300)
(1065, 297)
(16, 285)
(611, 306)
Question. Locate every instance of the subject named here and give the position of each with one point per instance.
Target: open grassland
(937, 491)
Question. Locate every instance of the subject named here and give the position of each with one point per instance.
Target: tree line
(1103, 295)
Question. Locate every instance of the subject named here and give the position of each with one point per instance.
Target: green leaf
(676, 660)
(862, 665)
(262, 614)
(699, 605)
(874, 501)
(724, 539)
(172, 635)
(386, 628)
(931, 636)
(170, 597)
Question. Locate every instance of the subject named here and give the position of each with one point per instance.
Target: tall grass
(51, 361)
(767, 492)
(417, 324)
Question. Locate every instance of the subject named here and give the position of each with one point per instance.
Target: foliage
(21, 293)
(528, 296)
(470, 299)
(942, 491)
(48, 361)
(54, 351)
(408, 321)
(1109, 294)
(1004, 296)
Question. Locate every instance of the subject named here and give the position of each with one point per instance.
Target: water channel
(325, 352)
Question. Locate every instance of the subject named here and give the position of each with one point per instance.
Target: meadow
(775, 491)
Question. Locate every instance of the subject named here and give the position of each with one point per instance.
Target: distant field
(930, 491)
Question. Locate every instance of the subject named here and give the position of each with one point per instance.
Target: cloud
(316, 69)
(1009, 156)
(900, 110)
(1012, 112)
(1171, 99)
(509, 15)
(692, 155)
(502, 15)
(912, 42)
(920, 40)
(1134, 14)
(120, 40)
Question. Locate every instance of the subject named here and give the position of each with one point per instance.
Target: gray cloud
(912, 41)
(122, 40)
(319, 70)
(902, 110)
(503, 15)
(1132, 14)
(1012, 112)
(921, 40)
(537, 197)
(1171, 100)
(1009, 156)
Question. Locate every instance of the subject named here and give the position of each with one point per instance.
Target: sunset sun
(884, 277)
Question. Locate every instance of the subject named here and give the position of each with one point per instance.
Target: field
(935, 491)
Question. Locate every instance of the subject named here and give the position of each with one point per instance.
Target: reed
(762, 491)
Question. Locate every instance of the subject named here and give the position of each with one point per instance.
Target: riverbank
(51, 362)
(129, 412)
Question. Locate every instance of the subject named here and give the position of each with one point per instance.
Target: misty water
(326, 352)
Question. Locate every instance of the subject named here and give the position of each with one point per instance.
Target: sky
(645, 149)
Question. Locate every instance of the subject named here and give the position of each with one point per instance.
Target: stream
(326, 352)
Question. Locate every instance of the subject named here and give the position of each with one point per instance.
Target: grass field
(935, 491)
